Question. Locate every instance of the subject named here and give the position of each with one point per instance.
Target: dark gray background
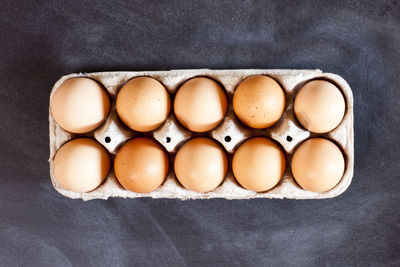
(42, 40)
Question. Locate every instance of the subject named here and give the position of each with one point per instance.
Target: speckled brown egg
(259, 101)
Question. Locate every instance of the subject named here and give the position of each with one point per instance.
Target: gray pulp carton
(288, 132)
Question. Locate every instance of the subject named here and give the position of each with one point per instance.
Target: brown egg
(80, 105)
(143, 104)
(258, 164)
(81, 165)
(201, 164)
(141, 165)
(318, 165)
(200, 104)
(319, 106)
(259, 101)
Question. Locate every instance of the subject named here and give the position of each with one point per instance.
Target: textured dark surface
(43, 40)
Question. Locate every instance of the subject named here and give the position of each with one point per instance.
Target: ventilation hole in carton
(289, 138)
(107, 139)
(168, 139)
(227, 138)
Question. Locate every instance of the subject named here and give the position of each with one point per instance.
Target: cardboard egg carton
(230, 133)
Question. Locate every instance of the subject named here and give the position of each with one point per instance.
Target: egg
(318, 165)
(259, 101)
(143, 104)
(79, 105)
(200, 104)
(319, 106)
(201, 164)
(141, 165)
(258, 164)
(81, 165)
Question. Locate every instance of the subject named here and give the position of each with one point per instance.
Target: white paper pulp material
(291, 80)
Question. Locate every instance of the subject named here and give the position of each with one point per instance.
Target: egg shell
(171, 135)
(143, 104)
(318, 165)
(80, 105)
(141, 165)
(201, 164)
(258, 164)
(319, 106)
(259, 101)
(81, 165)
(200, 104)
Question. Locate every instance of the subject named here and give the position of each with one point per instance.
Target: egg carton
(112, 134)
